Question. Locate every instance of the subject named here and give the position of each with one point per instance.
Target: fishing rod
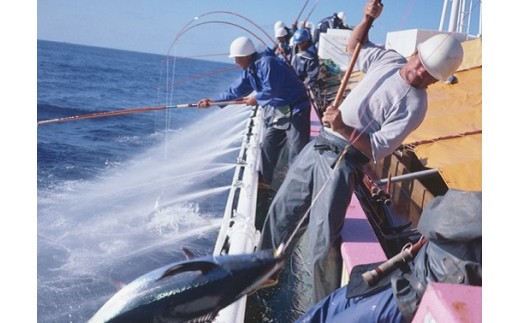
(136, 110)
(185, 28)
(226, 23)
(346, 77)
(250, 21)
(300, 14)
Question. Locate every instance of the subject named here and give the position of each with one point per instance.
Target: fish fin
(187, 252)
(202, 266)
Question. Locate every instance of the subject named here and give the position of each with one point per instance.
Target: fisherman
(282, 48)
(452, 226)
(305, 61)
(281, 25)
(373, 120)
(332, 22)
(282, 95)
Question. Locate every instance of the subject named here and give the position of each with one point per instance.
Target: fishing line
(206, 55)
(186, 29)
(171, 83)
(203, 75)
(226, 23)
(406, 14)
(169, 99)
(249, 20)
(189, 26)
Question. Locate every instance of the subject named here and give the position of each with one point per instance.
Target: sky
(151, 26)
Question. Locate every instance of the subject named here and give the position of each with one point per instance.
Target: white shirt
(383, 105)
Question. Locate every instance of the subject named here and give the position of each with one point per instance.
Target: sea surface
(119, 196)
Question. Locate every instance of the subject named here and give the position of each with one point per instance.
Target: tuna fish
(194, 290)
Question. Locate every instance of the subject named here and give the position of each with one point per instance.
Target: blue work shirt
(274, 82)
(307, 65)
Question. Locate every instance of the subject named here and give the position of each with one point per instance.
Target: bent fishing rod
(136, 110)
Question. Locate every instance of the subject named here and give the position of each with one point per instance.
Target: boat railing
(238, 233)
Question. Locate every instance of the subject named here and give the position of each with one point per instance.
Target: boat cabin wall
(408, 197)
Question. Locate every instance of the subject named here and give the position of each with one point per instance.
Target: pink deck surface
(360, 244)
(450, 303)
(315, 124)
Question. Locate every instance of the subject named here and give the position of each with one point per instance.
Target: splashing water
(94, 236)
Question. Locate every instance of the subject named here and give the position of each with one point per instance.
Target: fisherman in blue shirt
(333, 22)
(270, 82)
(305, 61)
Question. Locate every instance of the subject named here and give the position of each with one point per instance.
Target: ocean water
(119, 196)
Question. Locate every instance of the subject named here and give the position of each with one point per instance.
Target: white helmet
(242, 46)
(441, 55)
(279, 24)
(280, 32)
(341, 15)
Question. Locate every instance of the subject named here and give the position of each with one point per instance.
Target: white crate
(332, 45)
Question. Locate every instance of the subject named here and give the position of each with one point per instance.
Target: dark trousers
(311, 180)
(293, 133)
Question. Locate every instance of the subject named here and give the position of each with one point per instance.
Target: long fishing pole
(346, 77)
(226, 23)
(136, 110)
